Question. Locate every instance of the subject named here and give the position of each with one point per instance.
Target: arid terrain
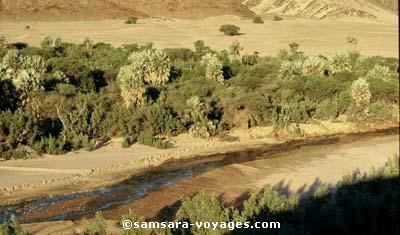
(111, 9)
(90, 102)
(326, 36)
(181, 23)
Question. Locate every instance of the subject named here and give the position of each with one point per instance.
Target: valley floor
(314, 36)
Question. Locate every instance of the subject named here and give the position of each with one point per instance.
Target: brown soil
(112, 9)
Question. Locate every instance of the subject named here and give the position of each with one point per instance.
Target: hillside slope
(110, 9)
(322, 9)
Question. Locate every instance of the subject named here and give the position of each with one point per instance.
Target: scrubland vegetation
(61, 96)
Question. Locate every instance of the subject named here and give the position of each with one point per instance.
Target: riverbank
(85, 171)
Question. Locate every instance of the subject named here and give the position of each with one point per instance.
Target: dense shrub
(192, 209)
(290, 69)
(9, 96)
(319, 88)
(384, 90)
(277, 18)
(127, 141)
(135, 219)
(131, 20)
(235, 51)
(18, 127)
(341, 62)
(148, 67)
(258, 20)
(380, 111)
(360, 91)
(230, 30)
(13, 228)
(379, 72)
(97, 226)
(64, 96)
(314, 65)
(150, 140)
(50, 145)
(331, 108)
(251, 59)
(213, 67)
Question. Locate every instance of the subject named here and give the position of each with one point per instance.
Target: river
(296, 167)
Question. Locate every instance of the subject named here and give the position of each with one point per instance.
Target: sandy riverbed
(81, 171)
(297, 172)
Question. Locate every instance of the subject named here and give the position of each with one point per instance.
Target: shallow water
(78, 205)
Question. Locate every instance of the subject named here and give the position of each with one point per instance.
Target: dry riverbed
(110, 164)
(298, 171)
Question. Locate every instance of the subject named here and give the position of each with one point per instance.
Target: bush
(213, 67)
(277, 18)
(148, 67)
(8, 153)
(203, 208)
(319, 88)
(314, 65)
(258, 20)
(251, 59)
(9, 96)
(290, 69)
(230, 30)
(131, 20)
(360, 91)
(19, 127)
(97, 226)
(331, 108)
(161, 119)
(384, 90)
(341, 62)
(358, 112)
(79, 141)
(50, 145)
(150, 140)
(379, 72)
(12, 229)
(380, 111)
(134, 219)
(127, 141)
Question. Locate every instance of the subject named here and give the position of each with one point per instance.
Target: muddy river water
(295, 167)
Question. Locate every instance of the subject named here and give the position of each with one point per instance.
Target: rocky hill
(322, 9)
(111, 9)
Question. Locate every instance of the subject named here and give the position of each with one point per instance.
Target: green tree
(230, 30)
(258, 20)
